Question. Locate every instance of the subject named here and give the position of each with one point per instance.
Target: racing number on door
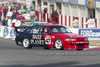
(46, 35)
(48, 40)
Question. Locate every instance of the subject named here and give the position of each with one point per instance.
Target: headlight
(67, 39)
(86, 38)
(70, 39)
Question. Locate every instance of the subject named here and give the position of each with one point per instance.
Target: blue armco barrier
(7, 32)
(90, 33)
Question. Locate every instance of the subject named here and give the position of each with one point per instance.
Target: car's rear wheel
(17, 43)
(59, 44)
(26, 44)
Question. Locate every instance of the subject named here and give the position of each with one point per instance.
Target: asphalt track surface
(12, 55)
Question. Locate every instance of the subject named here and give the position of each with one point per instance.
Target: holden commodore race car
(51, 36)
(21, 18)
(25, 15)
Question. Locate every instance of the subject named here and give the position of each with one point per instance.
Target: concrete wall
(98, 17)
(82, 11)
(74, 10)
(37, 6)
(65, 9)
(50, 7)
(71, 10)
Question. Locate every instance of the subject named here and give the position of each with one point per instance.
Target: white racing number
(48, 40)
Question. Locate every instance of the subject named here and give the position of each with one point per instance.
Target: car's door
(45, 32)
(35, 36)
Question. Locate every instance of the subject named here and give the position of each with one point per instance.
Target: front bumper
(76, 45)
(82, 45)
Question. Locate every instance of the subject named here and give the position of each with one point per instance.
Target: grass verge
(94, 42)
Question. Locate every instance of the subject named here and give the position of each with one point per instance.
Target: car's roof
(47, 25)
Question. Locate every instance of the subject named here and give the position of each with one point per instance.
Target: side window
(28, 30)
(45, 30)
(63, 30)
(35, 30)
(55, 30)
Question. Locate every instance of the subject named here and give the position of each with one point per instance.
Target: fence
(42, 17)
(66, 20)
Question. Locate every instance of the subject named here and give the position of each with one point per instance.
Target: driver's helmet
(45, 30)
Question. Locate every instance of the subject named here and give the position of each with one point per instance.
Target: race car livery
(51, 36)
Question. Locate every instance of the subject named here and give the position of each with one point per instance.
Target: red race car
(21, 18)
(51, 36)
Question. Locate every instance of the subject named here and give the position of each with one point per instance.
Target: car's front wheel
(59, 44)
(26, 44)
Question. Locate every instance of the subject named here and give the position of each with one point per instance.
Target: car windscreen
(59, 29)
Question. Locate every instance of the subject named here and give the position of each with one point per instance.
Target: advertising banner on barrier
(1, 30)
(90, 33)
(12, 33)
(8, 32)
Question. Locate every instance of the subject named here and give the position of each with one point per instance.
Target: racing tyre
(59, 44)
(26, 44)
(17, 43)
